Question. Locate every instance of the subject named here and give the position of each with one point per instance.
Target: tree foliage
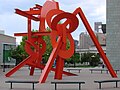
(75, 57)
(91, 58)
(48, 49)
(20, 53)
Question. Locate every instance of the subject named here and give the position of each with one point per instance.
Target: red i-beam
(94, 39)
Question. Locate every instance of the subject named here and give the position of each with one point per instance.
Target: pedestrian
(103, 66)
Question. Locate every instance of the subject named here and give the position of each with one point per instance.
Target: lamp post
(93, 56)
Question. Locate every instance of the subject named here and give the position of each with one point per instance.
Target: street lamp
(93, 56)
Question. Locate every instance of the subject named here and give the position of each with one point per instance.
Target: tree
(75, 58)
(85, 58)
(20, 54)
(48, 49)
(17, 54)
(22, 46)
(91, 58)
(95, 60)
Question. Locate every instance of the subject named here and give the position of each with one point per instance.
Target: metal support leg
(79, 86)
(69, 70)
(91, 71)
(11, 85)
(116, 84)
(99, 85)
(55, 86)
(33, 86)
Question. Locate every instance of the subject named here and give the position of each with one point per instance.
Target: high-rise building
(101, 38)
(97, 26)
(113, 32)
(76, 43)
(85, 41)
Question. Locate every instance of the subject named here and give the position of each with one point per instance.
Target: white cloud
(99, 13)
(95, 10)
(12, 23)
(18, 40)
(8, 6)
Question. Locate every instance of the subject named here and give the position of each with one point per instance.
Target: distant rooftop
(2, 32)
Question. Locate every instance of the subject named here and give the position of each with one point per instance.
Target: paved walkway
(85, 75)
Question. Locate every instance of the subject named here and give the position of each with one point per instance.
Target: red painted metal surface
(35, 57)
(59, 34)
(94, 39)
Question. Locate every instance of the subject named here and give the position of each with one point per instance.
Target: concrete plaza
(84, 75)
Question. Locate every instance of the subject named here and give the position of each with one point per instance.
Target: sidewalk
(85, 75)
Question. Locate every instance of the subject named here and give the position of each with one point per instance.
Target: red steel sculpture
(59, 33)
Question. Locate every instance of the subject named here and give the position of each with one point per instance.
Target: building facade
(113, 32)
(6, 43)
(76, 43)
(84, 41)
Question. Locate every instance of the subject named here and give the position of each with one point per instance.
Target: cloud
(8, 6)
(12, 23)
(95, 10)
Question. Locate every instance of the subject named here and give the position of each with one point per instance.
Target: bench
(33, 82)
(74, 69)
(114, 70)
(68, 82)
(101, 70)
(96, 70)
(106, 81)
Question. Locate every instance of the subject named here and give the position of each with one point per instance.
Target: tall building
(101, 38)
(76, 43)
(85, 41)
(113, 32)
(97, 26)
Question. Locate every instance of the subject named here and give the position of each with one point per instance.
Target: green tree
(95, 60)
(75, 58)
(85, 58)
(91, 58)
(22, 46)
(17, 54)
(20, 54)
(48, 49)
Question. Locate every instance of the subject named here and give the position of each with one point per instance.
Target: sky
(94, 10)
